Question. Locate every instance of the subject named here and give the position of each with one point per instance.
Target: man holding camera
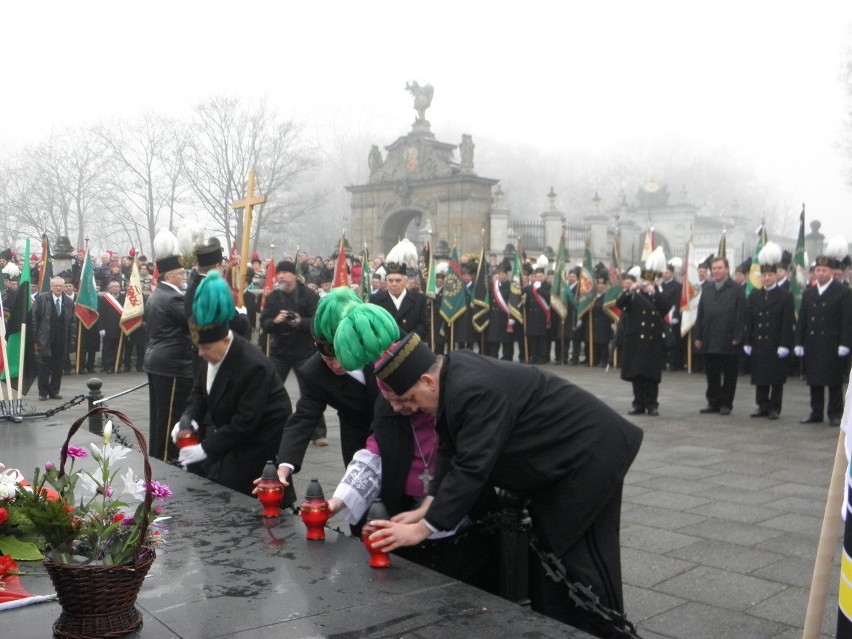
(287, 320)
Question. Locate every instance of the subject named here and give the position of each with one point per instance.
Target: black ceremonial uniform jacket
(320, 388)
(244, 414)
(825, 322)
(770, 323)
(412, 316)
(523, 429)
(642, 351)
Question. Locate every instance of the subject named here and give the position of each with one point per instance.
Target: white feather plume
(770, 254)
(636, 272)
(676, 263)
(403, 253)
(837, 247)
(381, 272)
(165, 244)
(656, 261)
(542, 262)
(442, 267)
(12, 270)
(189, 236)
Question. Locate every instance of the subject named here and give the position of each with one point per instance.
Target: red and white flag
(134, 311)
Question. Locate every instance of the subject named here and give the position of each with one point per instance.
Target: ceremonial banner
(453, 302)
(690, 293)
(586, 285)
(431, 288)
(798, 269)
(844, 591)
(86, 304)
(516, 300)
(46, 272)
(21, 351)
(134, 306)
(341, 274)
(481, 295)
(649, 245)
(614, 290)
(269, 283)
(366, 275)
(754, 280)
(559, 290)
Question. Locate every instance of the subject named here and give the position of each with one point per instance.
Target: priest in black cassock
(524, 430)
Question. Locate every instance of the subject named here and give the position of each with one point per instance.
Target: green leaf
(20, 550)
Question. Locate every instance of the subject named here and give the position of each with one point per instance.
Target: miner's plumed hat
(404, 362)
(212, 310)
(209, 254)
(166, 251)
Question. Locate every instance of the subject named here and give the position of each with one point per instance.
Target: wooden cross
(247, 204)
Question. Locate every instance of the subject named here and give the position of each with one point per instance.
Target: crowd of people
(437, 403)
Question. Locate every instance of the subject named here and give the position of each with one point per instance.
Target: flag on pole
(586, 282)
(269, 283)
(516, 290)
(798, 270)
(46, 272)
(723, 245)
(690, 293)
(341, 273)
(649, 245)
(559, 291)
(431, 290)
(453, 301)
(86, 304)
(481, 304)
(133, 311)
(366, 275)
(17, 351)
(614, 290)
(754, 280)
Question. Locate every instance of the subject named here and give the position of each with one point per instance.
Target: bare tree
(229, 138)
(147, 181)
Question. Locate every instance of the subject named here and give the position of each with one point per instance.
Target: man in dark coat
(169, 356)
(718, 334)
(501, 321)
(537, 321)
(239, 399)
(672, 290)
(407, 307)
(642, 351)
(602, 331)
(437, 330)
(463, 331)
(770, 325)
(525, 430)
(52, 320)
(823, 339)
(110, 306)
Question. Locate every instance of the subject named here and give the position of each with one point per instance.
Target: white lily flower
(9, 480)
(88, 483)
(109, 454)
(107, 431)
(133, 486)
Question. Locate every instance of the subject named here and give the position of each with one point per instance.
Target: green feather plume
(213, 303)
(363, 335)
(331, 310)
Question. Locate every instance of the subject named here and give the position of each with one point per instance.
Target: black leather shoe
(834, 421)
(759, 413)
(811, 419)
(708, 409)
(56, 397)
(772, 415)
(653, 412)
(42, 398)
(636, 411)
(724, 411)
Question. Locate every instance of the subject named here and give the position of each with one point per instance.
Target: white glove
(191, 455)
(799, 351)
(102, 332)
(747, 349)
(674, 321)
(783, 351)
(241, 310)
(176, 429)
(842, 351)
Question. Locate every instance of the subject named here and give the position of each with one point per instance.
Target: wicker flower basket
(99, 602)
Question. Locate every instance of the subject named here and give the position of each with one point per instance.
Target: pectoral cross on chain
(425, 477)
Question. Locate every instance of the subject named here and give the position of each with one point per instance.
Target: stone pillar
(814, 242)
(554, 220)
(598, 233)
(499, 223)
